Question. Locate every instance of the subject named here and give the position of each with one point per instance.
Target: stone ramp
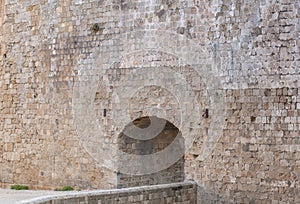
(8, 196)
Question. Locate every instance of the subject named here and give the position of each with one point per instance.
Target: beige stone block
(284, 162)
(9, 147)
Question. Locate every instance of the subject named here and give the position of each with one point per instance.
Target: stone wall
(75, 73)
(256, 160)
(167, 193)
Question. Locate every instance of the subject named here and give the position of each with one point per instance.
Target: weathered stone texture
(256, 158)
(172, 174)
(181, 193)
(64, 62)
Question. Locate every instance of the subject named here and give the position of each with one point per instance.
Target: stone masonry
(75, 73)
(179, 193)
(172, 174)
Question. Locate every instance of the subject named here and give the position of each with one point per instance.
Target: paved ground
(8, 196)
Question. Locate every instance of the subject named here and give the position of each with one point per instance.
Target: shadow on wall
(205, 196)
(139, 128)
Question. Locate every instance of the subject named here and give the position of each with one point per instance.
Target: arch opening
(128, 143)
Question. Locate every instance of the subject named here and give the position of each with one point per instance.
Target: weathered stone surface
(184, 192)
(74, 74)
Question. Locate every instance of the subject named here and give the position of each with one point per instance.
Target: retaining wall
(184, 192)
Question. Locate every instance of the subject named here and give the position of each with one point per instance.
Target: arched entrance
(146, 144)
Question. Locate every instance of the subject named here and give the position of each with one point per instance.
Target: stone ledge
(83, 197)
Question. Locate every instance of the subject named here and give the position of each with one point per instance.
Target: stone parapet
(183, 193)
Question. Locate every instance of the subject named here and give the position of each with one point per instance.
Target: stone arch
(94, 135)
(138, 128)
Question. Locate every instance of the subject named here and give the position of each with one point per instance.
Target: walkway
(8, 196)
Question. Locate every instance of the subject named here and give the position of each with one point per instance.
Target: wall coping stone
(90, 193)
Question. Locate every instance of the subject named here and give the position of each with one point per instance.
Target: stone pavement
(8, 196)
